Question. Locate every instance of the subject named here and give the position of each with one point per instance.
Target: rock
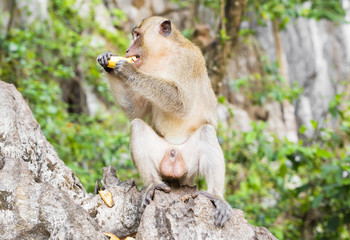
(37, 190)
(317, 56)
(41, 198)
(124, 217)
(24, 13)
(22, 139)
(170, 217)
(31, 210)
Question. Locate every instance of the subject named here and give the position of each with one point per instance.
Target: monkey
(167, 94)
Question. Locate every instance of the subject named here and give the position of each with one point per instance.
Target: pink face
(135, 48)
(150, 39)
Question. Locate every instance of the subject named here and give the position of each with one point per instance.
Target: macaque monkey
(168, 87)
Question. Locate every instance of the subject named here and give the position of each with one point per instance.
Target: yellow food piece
(107, 197)
(115, 59)
(112, 236)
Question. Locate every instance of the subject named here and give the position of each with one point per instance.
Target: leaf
(346, 219)
(328, 169)
(221, 99)
(283, 170)
(333, 223)
(302, 129)
(314, 124)
(254, 180)
(323, 153)
(302, 188)
(317, 201)
(250, 137)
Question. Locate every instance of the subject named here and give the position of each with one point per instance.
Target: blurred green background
(296, 189)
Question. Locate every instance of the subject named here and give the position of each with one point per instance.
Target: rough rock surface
(21, 138)
(176, 215)
(31, 210)
(41, 198)
(124, 217)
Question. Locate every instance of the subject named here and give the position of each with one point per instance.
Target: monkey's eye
(136, 35)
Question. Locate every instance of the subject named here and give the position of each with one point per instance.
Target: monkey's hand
(103, 58)
(124, 69)
(150, 194)
(223, 209)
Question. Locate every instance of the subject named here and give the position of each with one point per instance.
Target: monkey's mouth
(136, 60)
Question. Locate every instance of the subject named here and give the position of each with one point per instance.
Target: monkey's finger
(147, 200)
(163, 187)
(218, 217)
(105, 60)
(145, 203)
(226, 212)
(99, 59)
(151, 195)
(225, 217)
(108, 55)
(222, 218)
(196, 194)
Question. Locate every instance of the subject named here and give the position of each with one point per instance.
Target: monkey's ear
(165, 28)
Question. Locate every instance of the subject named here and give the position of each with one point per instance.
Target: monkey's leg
(148, 150)
(203, 155)
(204, 148)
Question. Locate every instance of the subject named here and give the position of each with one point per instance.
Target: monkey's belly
(172, 165)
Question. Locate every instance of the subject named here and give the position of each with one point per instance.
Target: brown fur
(169, 88)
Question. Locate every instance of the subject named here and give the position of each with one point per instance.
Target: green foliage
(285, 10)
(269, 86)
(331, 10)
(284, 186)
(39, 59)
(288, 187)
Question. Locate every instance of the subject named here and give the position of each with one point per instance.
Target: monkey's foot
(223, 209)
(150, 194)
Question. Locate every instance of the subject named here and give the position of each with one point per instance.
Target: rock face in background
(41, 198)
(25, 12)
(317, 55)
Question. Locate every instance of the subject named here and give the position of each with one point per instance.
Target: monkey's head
(153, 40)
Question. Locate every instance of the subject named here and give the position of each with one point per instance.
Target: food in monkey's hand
(114, 59)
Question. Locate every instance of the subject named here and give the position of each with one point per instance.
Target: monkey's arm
(147, 151)
(133, 106)
(165, 94)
